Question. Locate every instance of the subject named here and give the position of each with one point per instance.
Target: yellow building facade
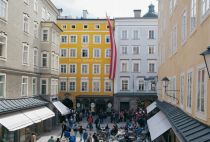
(85, 52)
(184, 33)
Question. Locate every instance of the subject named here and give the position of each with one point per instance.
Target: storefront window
(6, 136)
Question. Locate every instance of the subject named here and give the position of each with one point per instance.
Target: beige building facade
(184, 33)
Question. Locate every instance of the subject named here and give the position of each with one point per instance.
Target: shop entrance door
(124, 106)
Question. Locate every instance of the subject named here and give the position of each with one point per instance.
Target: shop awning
(158, 125)
(44, 113)
(151, 107)
(61, 108)
(15, 121)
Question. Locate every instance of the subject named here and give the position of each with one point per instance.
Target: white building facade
(137, 57)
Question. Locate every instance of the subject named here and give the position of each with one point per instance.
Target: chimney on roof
(84, 14)
(137, 13)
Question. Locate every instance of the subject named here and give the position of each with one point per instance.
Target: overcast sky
(99, 8)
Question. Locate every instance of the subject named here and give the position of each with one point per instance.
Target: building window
(3, 46)
(124, 35)
(189, 90)
(26, 23)
(72, 68)
(124, 50)
(24, 86)
(151, 50)
(44, 35)
(73, 26)
(174, 40)
(124, 67)
(151, 34)
(193, 15)
(151, 67)
(141, 85)
(85, 26)
(72, 85)
(182, 90)
(63, 53)
(62, 85)
(2, 85)
(85, 39)
(44, 84)
(34, 86)
(44, 60)
(54, 86)
(107, 39)
(43, 12)
(108, 86)
(96, 52)
(124, 85)
(201, 90)
(64, 39)
(96, 86)
(97, 39)
(84, 69)
(136, 50)
(84, 86)
(53, 61)
(205, 6)
(63, 68)
(64, 26)
(107, 68)
(97, 26)
(184, 26)
(36, 33)
(73, 52)
(135, 35)
(135, 67)
(35, 5)
(73, 39)
(107, 53)
(25, 54)
(3, 9)
(172, 5)
(96, 68)
(35, 57)
(85, 53)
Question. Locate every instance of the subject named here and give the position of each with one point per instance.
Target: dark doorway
(124, 106)
(100, 107)
(68, 103)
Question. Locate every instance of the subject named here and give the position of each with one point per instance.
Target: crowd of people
(72, 125)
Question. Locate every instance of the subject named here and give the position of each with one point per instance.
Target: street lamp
(165, 80)
(206, 56)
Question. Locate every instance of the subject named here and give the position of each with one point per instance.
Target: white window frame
(107, 37)
(64, 42)
(61, 51)
(184, 27)
(4, 83)
(135, 37)
(174, 40)
(36, 30)
(138, 48)
(152, 62)
(46, 86)
(73, 25)
(64, 26)
(84, 80)
(35, 5)
(106, 69)
(26, 23)
(86, 42)
(97, 26)
(35, 57)
(34, 86)
(121, 66)
(61, 85)
(4, 44)
(99, 68)
(151, 34)
(5, 17)
(22, 83)
(87, 69)
(47, 58)
(151, 48)
(82, 52)
(23, 53)
(124, 35)
(66, 68)
(141, 84)
(94, 39)
(93, 87)
(182, 90)
(75, 87)
(54, 87)
(205, 7)
(107, 50)
(75, 65)
(70, 55)
(105, 87)
(121, 84)
(45, 29)
(94, 52)
(193, 15)
(189, 109)
(43, 13)
(124, 50)
(199, 113)
(136, 62)
(73, 42)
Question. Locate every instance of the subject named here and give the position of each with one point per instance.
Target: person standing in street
(63, 128)
(85, 135)
(81, 132)
(33, 137)
(89, 139)
(51, 139)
